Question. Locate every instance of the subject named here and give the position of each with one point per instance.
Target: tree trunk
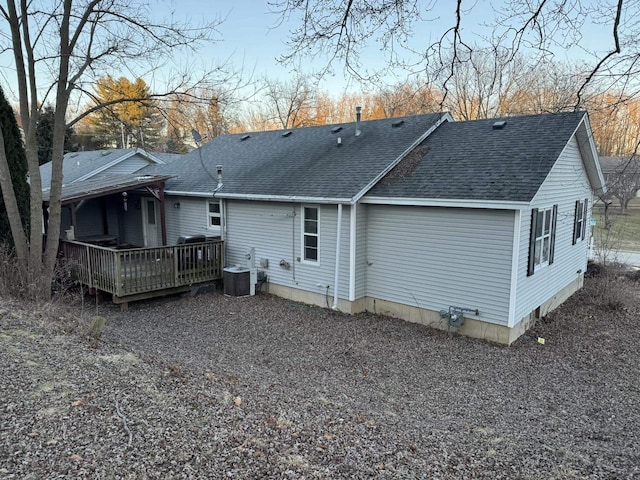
(11, 204)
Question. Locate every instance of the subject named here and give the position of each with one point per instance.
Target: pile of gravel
(220, 387)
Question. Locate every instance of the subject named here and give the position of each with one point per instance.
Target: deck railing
(133, 271)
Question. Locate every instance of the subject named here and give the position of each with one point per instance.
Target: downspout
(352, 253)
(293, 243)
(337, 273)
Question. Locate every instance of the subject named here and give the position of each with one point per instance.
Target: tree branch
(615, 51)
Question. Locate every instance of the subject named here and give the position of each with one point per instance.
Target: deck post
(89, 272)
(119, 278)
(163, 222)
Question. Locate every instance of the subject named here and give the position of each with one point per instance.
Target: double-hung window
(310, 234)
(543, 237)
(213, 213)
(580, 220)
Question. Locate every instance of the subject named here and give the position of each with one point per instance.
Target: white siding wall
(190, 219)
(437, 257)
(566, 183)
(274, 229)
(361, 251)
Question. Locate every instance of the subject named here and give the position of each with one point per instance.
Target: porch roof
(104, 185)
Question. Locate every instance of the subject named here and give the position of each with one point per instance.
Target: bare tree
(290, 103)
(339, 31)
(622, 175)
(58, 49)
(411, 97)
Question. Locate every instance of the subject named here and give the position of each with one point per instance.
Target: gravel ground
(218, 387)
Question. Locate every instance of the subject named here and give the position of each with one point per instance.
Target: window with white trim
(213, 213)
(580, 220)
(310, 234)
(543, 237)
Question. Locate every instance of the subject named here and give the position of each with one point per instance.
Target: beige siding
(434, 258)
(566, 183)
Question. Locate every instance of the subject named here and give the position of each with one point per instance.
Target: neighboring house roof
(104, 185)
(83, 165)
(304, 163)
(472, 160)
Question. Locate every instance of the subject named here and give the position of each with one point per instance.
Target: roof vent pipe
(358, 119)
(219, 169)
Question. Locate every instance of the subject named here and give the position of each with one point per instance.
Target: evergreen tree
(17, 160)
(44, 135)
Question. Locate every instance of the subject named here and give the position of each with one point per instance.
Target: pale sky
(252, 38)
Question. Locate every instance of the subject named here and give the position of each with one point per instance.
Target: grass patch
(624, 233)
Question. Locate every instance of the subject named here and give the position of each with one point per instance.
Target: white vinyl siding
(433, 258)
(566, 183)
(191, 218)
(361, 251)
(275, 230)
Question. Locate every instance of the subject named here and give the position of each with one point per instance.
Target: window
(213, 212)
(543, 237)
(580, 220)
(310, 234)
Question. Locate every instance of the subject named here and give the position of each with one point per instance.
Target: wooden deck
(138, 273)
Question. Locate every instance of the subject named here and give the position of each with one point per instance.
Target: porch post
(163, 224)
(74, 218)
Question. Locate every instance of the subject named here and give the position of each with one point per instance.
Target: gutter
(284, 198)
(191, 194)
(439, 202)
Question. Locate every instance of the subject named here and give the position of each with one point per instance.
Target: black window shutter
(552, 246)
(584, 218)
(532, 242)
(576, 231)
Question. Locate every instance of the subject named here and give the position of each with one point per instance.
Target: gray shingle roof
(472, 161)
(307, 163)
(104, 185)
(78, 164)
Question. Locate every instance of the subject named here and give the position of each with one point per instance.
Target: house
(476, 226)
(622, 176)
(106, 201)
(420, 218)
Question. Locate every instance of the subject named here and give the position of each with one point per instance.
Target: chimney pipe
(358, 119)
(219, 169)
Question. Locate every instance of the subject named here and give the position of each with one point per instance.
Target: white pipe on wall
(337, 275)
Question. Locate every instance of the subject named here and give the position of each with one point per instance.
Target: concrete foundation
(472, 327)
